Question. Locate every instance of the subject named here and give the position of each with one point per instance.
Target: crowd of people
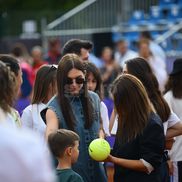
(53, 106)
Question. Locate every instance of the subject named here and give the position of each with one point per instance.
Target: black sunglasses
(78, 80)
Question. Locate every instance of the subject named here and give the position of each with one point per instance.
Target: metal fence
(95, 16)
(104, 16)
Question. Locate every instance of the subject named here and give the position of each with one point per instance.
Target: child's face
(91, 82)
(75, 152)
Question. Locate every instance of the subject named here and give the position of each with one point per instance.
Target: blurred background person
(109, 72)
(110, 69)
(37, 60)
(123, 53)
(54, 51)
(155, 48)
(157, 65)
(20, 52)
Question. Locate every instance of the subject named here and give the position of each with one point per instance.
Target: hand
(169, 143)
(109, 158)
(101, 134)
(171, 168)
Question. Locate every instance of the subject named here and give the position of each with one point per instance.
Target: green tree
(14, 12)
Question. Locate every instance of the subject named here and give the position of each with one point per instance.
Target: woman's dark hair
(11, 62)
(91, 68)
(7, 87)
(132, 105)
(45, 77)
(141, 69)
(68, 62)
(175, 85)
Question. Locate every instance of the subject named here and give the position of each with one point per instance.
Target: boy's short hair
(75, 45)
(61, 139)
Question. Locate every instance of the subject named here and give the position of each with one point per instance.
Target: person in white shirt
(156, 49)
(94, 83)
(44, 89)
(157, 65)
(123, 53)
(173, 97)
(20, 150)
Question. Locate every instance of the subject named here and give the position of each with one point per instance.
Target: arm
(174, 130)
(112, 119)
(152, 142)
(51, 122)
(101, 130)
(169, 143)
(105, 118)
(174, 124)
(136, 165)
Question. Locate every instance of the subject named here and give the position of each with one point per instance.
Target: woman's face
(75, 80)
(91, 82)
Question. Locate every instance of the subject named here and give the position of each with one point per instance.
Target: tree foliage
(62, 5)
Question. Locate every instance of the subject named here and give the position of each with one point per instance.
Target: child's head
(64, 143)
(94, 80)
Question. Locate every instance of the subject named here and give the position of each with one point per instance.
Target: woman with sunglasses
(77, 109)
(44, 89)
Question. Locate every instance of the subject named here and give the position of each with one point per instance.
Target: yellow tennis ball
(99, 149)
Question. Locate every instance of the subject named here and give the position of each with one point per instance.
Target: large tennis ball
(99, 149)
